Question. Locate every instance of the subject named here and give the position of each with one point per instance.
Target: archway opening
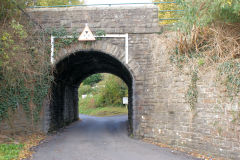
(69, 74)
(103, 95)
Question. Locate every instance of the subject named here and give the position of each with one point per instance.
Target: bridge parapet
(117, 19)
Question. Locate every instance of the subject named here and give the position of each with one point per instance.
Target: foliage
(169, 14)
(112, 91)
(100, 33)
(25, 69)
(85, 89)
(60, 42)
(57, 2)
(205, 12)
(192, 92)
(108, 92)
(178, 59)
(10, 151)
(230, 72)
(9, 8)
(209, 37)
(209, 28)
(93, 79)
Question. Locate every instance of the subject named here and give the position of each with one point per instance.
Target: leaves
(230, 72)
(29, 142)
(108, 92)
(169, 14)
(18, 29)
(93, 79)
(203, 13)
(58, 2)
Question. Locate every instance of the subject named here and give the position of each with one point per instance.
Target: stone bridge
(132, 30)
(157, 107)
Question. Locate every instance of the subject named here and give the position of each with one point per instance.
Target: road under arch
(70, 72)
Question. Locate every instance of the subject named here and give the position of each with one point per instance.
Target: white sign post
(125, 101)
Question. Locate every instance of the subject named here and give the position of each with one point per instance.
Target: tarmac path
(101, 138)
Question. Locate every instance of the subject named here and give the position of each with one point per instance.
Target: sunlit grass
(103, 111)
(10, 151)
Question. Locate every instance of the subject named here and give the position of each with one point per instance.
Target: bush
(85, 89)
(99, 100)
(112, 91)
(108, 92)
(205, 12)
(93, 79)
(209, 28)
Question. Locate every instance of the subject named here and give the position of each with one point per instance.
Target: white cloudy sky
(115, 1)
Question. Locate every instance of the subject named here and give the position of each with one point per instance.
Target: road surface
(101, 138)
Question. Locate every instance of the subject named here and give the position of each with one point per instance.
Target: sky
(115, 1)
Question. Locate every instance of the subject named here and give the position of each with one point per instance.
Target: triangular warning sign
(86, 35)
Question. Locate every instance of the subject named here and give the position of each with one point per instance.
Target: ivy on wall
(230, 72)
(192, 92)
(25, 68)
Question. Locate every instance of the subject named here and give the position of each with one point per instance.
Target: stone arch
(116, 51)
(77, 62)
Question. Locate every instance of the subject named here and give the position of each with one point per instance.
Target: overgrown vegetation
(59, 41)
(209, 37)
(104, 97)
(205, 13)
(25, 70)
(192, 92)
(230, 71)
(93, 79)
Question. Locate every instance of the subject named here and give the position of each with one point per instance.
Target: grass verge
(18, 147)
(103, 111)
(10, 151)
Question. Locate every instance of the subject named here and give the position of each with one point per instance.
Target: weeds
(209, 37)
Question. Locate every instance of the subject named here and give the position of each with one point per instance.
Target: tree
(113, 91)
(166, 15)
(93, 79)
(9, 8)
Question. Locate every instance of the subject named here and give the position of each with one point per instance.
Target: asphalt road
(104, 138)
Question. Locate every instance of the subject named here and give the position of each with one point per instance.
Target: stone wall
(211, 128)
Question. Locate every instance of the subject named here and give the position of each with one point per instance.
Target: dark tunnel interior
(68, 75)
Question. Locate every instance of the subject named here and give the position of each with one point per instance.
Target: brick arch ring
(113, 50)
